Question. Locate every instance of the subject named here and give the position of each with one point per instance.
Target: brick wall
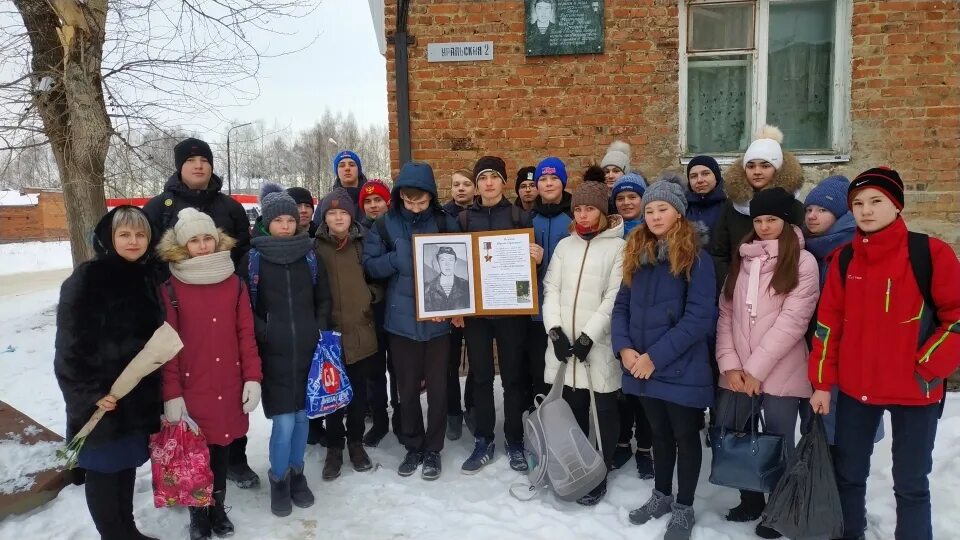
(905, 96)
(47, 220)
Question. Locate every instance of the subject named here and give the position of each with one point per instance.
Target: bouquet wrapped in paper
(162, 346)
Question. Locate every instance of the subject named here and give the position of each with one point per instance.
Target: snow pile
(20, 462)
(14, 198)
(34, 257)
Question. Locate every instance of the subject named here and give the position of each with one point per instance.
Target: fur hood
(169, 251)
(789, 177)
(703, 239)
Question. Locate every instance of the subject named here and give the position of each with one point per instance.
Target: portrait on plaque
(556, 27)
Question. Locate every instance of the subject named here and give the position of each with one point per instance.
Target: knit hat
(773, 202)
(629, 182)
(618, 154)
(490, 163)
(594, 173)
(766, 147)
(593, 194)
(830, 193)
(885, 179)
(668, 192)
(190, 223)
(525, 174)
(301, 195)
(346, 154)
(188, 148)
(338, 198)
(275, 202)
(707, 162)
(552, 165)
(375, 186)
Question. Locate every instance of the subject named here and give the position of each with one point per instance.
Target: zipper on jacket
(293, 329)
(886, 303)
(576, 295)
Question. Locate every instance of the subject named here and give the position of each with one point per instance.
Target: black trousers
(508, 332)
(676, 442)
(219, 461)
(607, 414)
(354, 412)
(633, 422)
(238, 452)
(534, 351)
(110, 502)
(457, 353)
(379, 388)
(416, 362)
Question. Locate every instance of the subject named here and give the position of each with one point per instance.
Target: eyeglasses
(528, 186)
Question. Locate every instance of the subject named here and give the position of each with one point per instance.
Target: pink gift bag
(180, 461)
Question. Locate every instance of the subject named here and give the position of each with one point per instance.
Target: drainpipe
(400, 40)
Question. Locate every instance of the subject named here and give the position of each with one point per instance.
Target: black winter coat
(501, 216)
(289, 314)
(227, 213)
(109, 308)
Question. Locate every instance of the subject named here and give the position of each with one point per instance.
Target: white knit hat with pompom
(766, 147)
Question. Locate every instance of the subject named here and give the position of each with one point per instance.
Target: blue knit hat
(347, 154)
(552, 165)
(830, 193)
(629, 182)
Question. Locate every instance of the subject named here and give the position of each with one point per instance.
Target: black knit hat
(773, 202)
(490, 163)
(301, 195)
(885, 179)
(523, 175)
(188, 148)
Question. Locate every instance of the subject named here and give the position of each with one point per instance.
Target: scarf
(205, 269)
(283, 249)
(587, 233)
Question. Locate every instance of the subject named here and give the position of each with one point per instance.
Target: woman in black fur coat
(108, 310)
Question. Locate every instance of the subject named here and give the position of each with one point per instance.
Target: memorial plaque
(556, 27)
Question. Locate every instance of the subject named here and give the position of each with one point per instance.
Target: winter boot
(332, 464)
(644, 460)
(280, 503)
(595, 495)
(358, 457)
(431, 466)
(300, 492)
(219, 522)
(767, 532)
(377, 431)
(518, 460)
(658, 505)
(454, 427)
(199, 522)
(483, 452)
(243, 476)
(681, 522)
(750, 507)
(410, 462)
(621, 455)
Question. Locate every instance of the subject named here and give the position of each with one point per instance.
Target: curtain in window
(718, 91)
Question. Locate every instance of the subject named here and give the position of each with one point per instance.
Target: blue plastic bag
(328, 388)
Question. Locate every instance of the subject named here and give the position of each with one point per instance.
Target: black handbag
(747, 460)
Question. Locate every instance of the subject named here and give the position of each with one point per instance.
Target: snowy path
(380, 504)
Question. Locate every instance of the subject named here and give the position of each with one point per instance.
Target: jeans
(288, 442)
(914, 430)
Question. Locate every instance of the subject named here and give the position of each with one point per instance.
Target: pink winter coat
(762, 332)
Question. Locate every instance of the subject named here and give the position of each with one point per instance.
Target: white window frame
(840, 97)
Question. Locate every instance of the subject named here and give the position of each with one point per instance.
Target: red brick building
(853, 84)
(32, 214)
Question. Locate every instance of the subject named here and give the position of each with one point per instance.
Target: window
(782, 62)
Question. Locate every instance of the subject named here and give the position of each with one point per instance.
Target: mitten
(581, 347)
(251, 396)
(174, 410)
(561, 344)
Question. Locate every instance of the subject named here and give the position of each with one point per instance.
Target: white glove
(251, 396)
(174, 409)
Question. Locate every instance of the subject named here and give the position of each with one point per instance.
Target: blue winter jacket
(630, 224)
(706, 208)
(840, 233)
(551, 224)
(395, 263)
(670, 319)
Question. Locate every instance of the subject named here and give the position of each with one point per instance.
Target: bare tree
(84, 72)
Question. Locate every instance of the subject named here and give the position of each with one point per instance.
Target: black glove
(561, 344)
(581, 347)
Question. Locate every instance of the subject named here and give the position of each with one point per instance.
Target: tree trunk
(66, 38)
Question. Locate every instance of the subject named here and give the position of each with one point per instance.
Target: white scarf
(205, 269)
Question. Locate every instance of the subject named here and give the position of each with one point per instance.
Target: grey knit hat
(275, 202)
(668, 191)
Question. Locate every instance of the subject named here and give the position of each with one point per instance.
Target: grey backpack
(561, 455)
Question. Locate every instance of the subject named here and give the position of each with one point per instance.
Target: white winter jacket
(580, 287)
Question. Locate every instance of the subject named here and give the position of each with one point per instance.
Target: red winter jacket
(868, 329)
(219, 354)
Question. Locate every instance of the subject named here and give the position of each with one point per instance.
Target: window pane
(800, 71)
(720, 27)
(718, 91)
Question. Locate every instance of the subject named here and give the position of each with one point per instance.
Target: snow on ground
(381, 505)
(19, 462)
(34, 256)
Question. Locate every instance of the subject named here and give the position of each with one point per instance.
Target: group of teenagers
(715, 290)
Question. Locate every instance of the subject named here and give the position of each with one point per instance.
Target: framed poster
(481, 273)
(555, 27)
